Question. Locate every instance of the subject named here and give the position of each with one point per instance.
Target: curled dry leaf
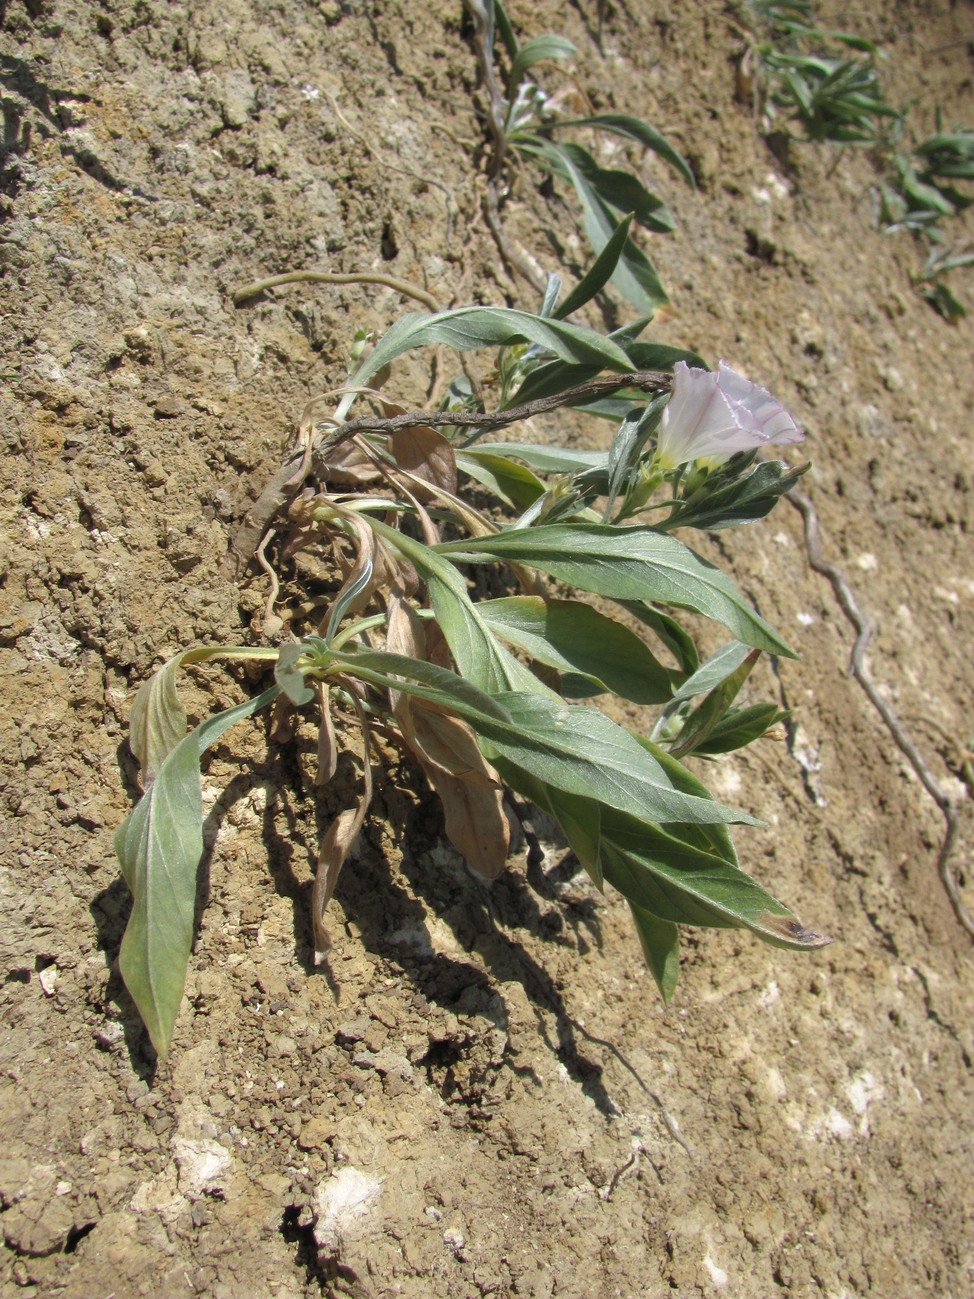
(334, 848)
(448, 743)
(348, 465)
(475, 822)
(467, 786)
(423, 452)
(437, 647)
(327, 742)
(357, 589)
(405, 633)
(427, 455)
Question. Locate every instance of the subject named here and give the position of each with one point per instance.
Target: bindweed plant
(921, 189)
(787, 66)
(488, 694)
(791, 67)
(932, 284)
(527, 125)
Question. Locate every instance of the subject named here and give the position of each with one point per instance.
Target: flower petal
(712, 416)
(771, 420)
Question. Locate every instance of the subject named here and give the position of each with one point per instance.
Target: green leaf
(476, 652)
(740, 727)
(535, 51)
(701, 722)
(583, 752)
(727, 500)
(635, 129)
(157, 721)
(659, 356)
(547, 459)
(621, 190)
(550, 300)
(710, 674)
(678, 882)
(469, 328)
(578, 750)
(634, 276)
(639, 425)
(660, 941)
(573, 637)
(676, 638)
(712, 837)
(556, 376)
(598, 276)
(512, 482)
(159, 848)
(627, 564)
(289, 677)
(669, 871)
(504, 27)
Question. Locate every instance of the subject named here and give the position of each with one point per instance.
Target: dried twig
(289, 477)
(858, 670)
(404, 287)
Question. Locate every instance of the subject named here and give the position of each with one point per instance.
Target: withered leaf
(428, 456)
(468, 788)
(334, 848)
(475, 822)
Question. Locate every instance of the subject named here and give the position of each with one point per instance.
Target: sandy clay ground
(485, 1071)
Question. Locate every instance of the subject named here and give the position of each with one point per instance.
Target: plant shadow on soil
(383, 903)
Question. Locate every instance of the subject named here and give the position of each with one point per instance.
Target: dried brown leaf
(348, 465)
(327, 742)
(475, 822)
(449, 743)
(428, 456)
(365, 558)
(334, 848)
(468, 788)
(405, 633)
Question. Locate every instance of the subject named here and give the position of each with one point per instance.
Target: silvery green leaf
(476, 652)
(632, 564)
(159, 848)
(660, 941)
(598, 275)
(712, 672)
(468, 328)
(547, 459)
(740, 727)
(635, 129)
(512, 482)
(534, 51)
(675, 881)
(575, 638)
(290, 678)
(576, 749)
(634, 275)
(157, 721)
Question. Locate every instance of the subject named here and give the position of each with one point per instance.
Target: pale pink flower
(710, 416)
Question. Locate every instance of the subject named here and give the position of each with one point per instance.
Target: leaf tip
(791, 930)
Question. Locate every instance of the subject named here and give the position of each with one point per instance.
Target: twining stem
(858, 670)
(288, 479)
